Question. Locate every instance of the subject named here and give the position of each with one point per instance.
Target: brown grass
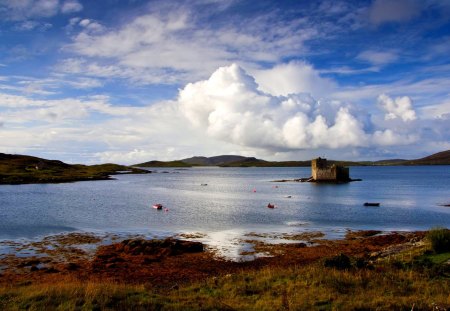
(386, 272)
(296, 288)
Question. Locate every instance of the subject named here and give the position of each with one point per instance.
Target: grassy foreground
(390, 285)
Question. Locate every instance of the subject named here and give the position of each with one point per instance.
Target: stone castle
(323, 172)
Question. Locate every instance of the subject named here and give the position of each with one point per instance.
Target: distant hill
(215, 161)
(23, 169)
(222, 160)
(388, 162)
(163, 164)
(441, 158)
(235, 161)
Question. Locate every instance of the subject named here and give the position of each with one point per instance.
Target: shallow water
(233, 203)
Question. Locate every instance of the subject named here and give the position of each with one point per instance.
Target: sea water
(223, 202)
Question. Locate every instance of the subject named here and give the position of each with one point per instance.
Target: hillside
(237, 161)
(388, 162)
(22, 169)
(163, 164)
(440, 158)
(222, 160)
(214, 161)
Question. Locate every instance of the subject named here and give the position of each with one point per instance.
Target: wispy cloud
(176, 44)
(384, 11)
(32, 25)
(71, 6)
(378, 58)
(33, 9)
(346, 70)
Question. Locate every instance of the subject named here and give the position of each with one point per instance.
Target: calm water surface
(410, 199)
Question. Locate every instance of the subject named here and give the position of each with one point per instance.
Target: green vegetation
(385, 286)
(440, 240)
(19, 169)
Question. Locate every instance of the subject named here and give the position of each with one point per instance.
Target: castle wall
(321, 171)
(325, 174)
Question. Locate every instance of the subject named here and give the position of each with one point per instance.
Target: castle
(323, 172)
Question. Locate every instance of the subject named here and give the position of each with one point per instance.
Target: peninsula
(22, 169)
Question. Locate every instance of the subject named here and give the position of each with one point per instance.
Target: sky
(129, 81)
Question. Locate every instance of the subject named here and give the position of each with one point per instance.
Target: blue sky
(131, 81)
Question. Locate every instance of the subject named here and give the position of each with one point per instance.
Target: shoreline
(365, 270)
(57, 253)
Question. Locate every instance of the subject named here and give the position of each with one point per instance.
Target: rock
(167, 247)
(111, 266)
(71, 266)
(300, 245)
(51, 270)
(144, 251)
(31, 262)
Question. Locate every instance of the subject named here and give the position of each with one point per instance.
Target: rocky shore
(167, 262)
(366, 270)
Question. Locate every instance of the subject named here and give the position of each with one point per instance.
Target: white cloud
(71, 6)
(23, 10)
(346, 70)
(174, 47)
(22, 109)
(384, 11)
(437, 111)
(85, 83)
(390, 138)
(291, 78)
(229, 107)
(31, 25)
(49, 86)
(400, 107)
(227, 113)
(89, 25)
(378, 57)
(26, 9)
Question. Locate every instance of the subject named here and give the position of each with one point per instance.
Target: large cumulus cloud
(230, 106)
